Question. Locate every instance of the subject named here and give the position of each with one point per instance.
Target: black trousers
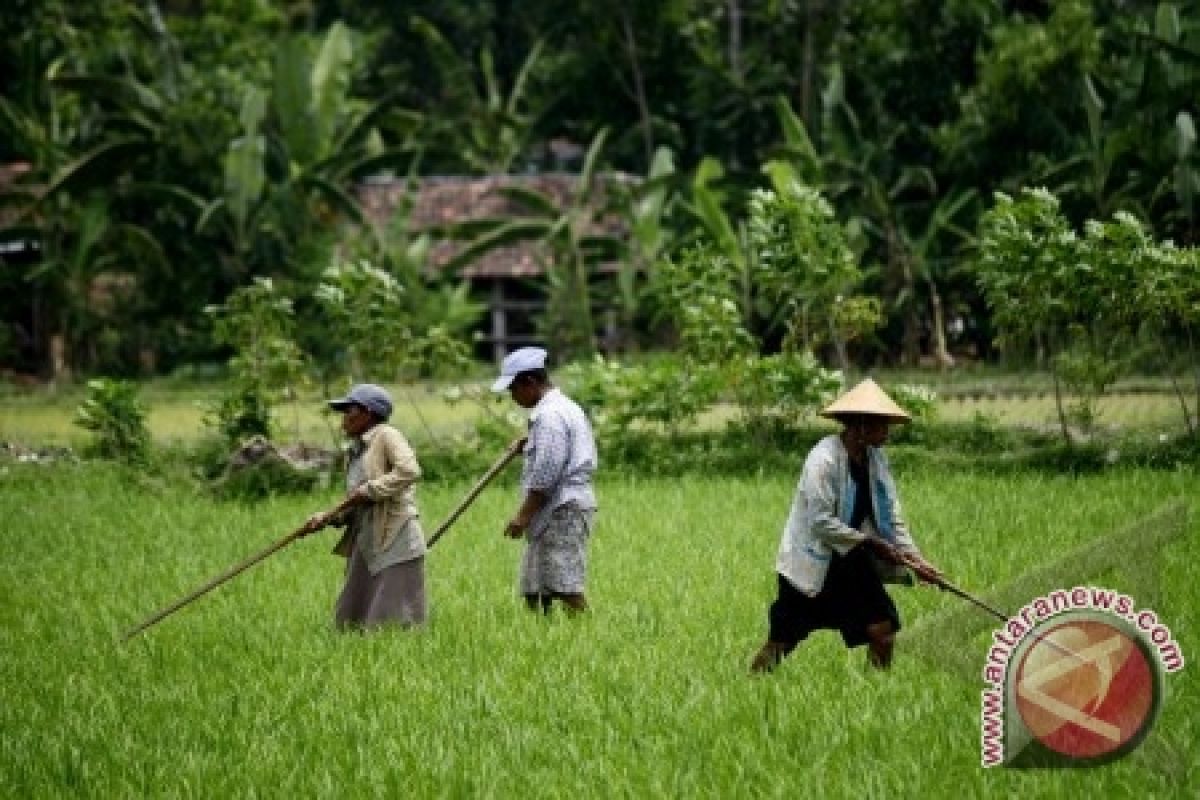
(852, 598)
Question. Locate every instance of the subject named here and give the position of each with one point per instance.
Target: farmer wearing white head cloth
(844, 537)
(558, 505)
(383, 540)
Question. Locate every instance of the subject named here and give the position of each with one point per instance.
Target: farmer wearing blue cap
(555, 517)
(383, 540)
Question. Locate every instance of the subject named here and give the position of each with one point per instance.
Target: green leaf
(245, 176)
(1094, 107)
(125, 92)
(207, 214)
(292, 101)
(92, 168)
(1166, 23)
(505, 234)
(1185, 135)
(329, 85)
(591, 162)
(799, 144)
(147, 242)
(337, 197)
(523, 75)
(532, 200)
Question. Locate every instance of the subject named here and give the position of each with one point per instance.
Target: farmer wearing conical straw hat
(844, 537)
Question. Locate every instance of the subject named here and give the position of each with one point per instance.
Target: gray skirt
(396, 595)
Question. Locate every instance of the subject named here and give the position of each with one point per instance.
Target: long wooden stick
(502, 462)
(232, 572)
(947, 586)
(906, 560)
(242, 566)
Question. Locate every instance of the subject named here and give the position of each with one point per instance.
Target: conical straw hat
(867, 398)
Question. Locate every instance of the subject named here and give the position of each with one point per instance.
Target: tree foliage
(1085, 299)
(180, 149)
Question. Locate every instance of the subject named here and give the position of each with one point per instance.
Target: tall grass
(250, 693)
(176, 411)
(176, 414)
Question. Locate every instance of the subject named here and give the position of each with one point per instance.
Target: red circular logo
(1086, 689)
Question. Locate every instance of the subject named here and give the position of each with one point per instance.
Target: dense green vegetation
(175, 151)
(807, 191)
(249, 692)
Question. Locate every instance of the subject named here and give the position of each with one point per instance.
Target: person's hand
(884, 550)
(923, 569)
(315, 523)
(516, 527)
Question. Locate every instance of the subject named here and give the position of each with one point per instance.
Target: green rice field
(250, 693)
(177, 414)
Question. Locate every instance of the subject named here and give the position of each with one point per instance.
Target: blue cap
(371, 397)
(516, 362)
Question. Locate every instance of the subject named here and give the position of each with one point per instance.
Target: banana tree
(1173, 73)
(485, 126)
(898, 208)
(90, 169)
(1098, 171)
(301, 145)
(646, 206)
(573, 244)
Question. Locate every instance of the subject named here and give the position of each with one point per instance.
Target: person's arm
(403, 469)
(535, 500)
(337, 515)
(904, 550)
(546, 454)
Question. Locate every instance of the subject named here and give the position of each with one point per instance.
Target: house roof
(441, 201)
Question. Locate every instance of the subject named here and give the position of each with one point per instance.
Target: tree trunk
(941, 354)
(735, 40)
(1058, 402)
(899, 265)
(60, 367)
(806, 69)
(1191, 349)
(639, 87)
(839, 349)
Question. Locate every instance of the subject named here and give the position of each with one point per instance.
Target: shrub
(258, 323)
(114, 413)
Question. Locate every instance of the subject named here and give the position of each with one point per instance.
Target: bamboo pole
(507, 456)
(945, 585)
(242, 566)
(232, 572)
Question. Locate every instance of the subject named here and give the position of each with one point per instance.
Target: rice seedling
(249, 692)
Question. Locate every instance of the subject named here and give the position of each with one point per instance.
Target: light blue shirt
(817, 525)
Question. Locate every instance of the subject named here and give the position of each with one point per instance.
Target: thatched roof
(440, 202)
